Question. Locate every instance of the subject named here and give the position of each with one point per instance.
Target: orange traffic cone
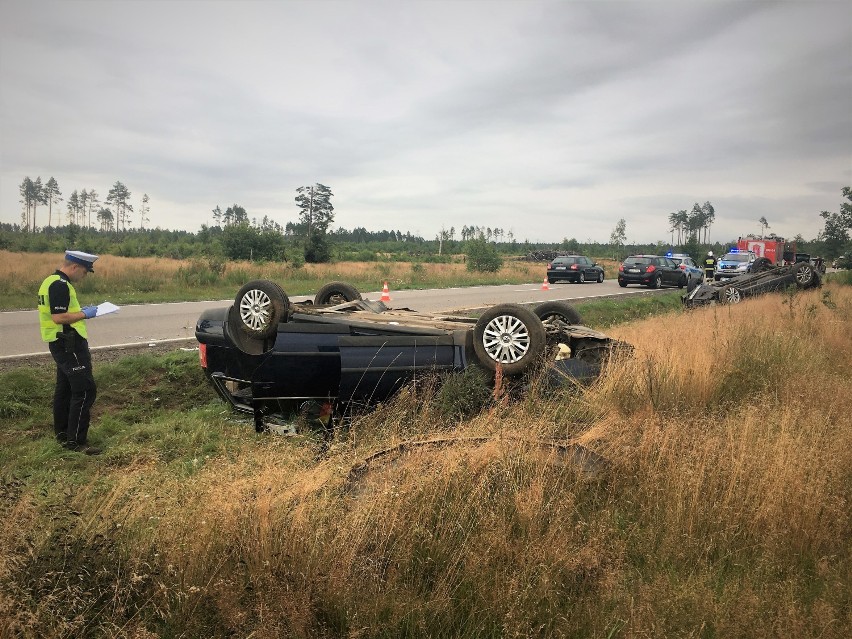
(544, 286)
(385, 294)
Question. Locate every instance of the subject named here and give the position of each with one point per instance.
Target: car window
(637, 261)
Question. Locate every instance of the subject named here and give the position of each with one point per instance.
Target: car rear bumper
(568, 276)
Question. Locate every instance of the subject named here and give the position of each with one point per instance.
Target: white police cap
(84, 259)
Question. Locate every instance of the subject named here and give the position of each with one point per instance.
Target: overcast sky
(551, 120)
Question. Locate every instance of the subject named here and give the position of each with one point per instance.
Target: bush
(317, 250)
(197, 274)
(482, 256)
(463, 395)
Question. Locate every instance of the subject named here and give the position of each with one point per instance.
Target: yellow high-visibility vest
(50, 329)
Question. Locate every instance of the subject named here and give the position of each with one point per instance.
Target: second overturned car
(266, 355)
(763, 278)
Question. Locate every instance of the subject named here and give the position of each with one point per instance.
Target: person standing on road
(63, 327)
(709, 266)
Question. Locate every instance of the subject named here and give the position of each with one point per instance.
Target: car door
(586, 264)
(671, 273)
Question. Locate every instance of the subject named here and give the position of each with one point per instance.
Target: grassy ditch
(722, 508)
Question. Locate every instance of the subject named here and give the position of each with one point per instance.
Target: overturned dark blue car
(268, 356)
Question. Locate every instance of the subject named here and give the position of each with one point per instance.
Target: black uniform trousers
(75, 388)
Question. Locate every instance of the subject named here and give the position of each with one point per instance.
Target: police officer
(63, 327)
(709, 266)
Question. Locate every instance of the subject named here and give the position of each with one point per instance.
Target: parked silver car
(694, 274)
(733, 264)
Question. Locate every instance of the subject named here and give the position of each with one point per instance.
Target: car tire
(551, 280)
(761, 264)
(582, 278)
(622, 284)
(261, 305)
(693, 284)
(336, 293)
(561, 310)
(684, 281)
(510, 336)
(657, 283)
(804, 275)
(730, 295)
(600, 277)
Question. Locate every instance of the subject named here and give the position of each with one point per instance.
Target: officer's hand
(90, 311)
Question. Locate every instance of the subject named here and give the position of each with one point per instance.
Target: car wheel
(693, 284)
(551, 280)
(804, 275)
(336, 293)
(622, 284)
(582, 278)
(657, 283)
(730, 295)
(558, 310)
(600, 277)
(761, 264)
(509, 335)
(261, 305)
(684, 281)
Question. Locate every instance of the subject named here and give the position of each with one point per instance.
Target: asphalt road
(157, 324)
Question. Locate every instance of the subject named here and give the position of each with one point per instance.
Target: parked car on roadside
(733, 264)
(574, 269)
(654, 271)
(694, 274)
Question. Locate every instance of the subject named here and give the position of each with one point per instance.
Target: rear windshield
(736, 257)
(637, 261)
(565, 260)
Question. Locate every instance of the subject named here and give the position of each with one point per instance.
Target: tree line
(80, 206)
(235, 235)
(689, 225)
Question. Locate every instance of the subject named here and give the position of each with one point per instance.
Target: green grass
(606, 313)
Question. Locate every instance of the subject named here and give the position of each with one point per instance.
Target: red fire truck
(776, 250)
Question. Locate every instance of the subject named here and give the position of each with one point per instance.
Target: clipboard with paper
(106, 308)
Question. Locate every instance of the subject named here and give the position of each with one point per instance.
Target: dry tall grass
(724, 510)
(131, 279)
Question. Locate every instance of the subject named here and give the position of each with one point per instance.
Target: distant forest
(106, 228)
(246, 241)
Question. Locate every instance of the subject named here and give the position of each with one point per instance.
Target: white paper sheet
(105, 308)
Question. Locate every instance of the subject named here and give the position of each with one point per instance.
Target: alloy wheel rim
(255, 309)
(804, 274)
(506, 339)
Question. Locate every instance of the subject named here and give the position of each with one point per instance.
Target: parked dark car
(575, 269)
(654, 271)
(763, 278)
(265, 355)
